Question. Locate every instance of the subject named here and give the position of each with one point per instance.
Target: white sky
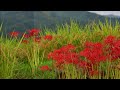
(106, 12)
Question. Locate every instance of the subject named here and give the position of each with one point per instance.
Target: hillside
(22, 20)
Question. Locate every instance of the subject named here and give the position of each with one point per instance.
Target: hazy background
(24, 20)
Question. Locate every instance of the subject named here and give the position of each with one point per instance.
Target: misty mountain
(23, 20)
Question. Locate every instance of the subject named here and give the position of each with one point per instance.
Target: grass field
(73, 52)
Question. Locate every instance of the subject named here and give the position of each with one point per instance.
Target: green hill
(23, 20)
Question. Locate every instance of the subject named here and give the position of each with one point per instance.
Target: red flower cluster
(48, 37)
(85, 65)
(64, 55)
(25, 41)
(93, 72)
(37, 39)
(44, 68)
(26, 35)
(110, 40)
(112, 47)
(93, 52)
(33, 32)
(14, 34)
(98, 52)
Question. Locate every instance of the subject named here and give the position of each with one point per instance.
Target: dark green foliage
(24, 20)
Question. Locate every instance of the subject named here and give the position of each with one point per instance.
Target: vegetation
(22, 20)
(73, 52)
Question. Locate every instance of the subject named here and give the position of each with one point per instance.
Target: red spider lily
(93, 45)
(75, 61)
(44, 68)
(85, 65)
(92, 49)
(34, 32)
(14, 34)
(60, 62)
(94, 54)
(62, 51)
(109, 39)
(85, 52)
(114, 50)
(48, 37)
(26, 35)
(49, 55)
(67, 48)
(88, 44)
(117, 44)
(64, 55)
(37, 39)
(98, 45)
(25, 41)
(72, 58)
(113, 47)
(93, 73)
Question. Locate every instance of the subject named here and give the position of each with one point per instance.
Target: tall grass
(18, 60)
